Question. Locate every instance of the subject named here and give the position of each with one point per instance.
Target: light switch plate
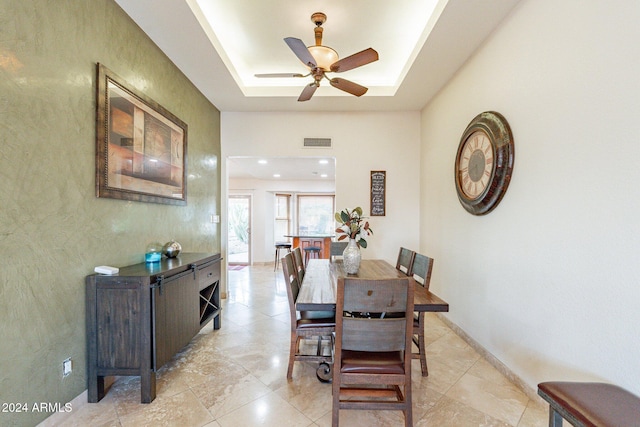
(67, 367)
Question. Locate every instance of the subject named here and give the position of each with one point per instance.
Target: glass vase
(153, 253)
(351, 257)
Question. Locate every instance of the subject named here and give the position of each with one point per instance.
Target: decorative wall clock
(484, 163)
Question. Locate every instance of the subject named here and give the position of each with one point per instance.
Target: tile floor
(236, 376)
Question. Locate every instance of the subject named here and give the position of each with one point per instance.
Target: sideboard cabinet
(138, 319)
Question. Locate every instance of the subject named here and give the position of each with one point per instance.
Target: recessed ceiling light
(324, 175)
(323, 161)
(276, 175)
(262, 162)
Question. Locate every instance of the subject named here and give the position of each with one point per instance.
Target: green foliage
(239, 222)
(352, 226)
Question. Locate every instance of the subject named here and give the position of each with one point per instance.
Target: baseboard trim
(493, 361)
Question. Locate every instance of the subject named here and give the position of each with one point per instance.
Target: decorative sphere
(171, 249)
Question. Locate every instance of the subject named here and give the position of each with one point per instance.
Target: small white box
(105, 269)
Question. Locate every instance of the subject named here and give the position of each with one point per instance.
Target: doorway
(239, 220)
(261, 179)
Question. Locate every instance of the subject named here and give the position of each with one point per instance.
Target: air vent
(317, 142)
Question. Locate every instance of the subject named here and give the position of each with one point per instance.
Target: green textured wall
(53, 229)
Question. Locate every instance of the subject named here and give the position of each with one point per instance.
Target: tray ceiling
(220, 45)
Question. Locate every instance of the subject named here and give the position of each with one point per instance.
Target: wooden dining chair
(299, 264)
(316, 325)
(372, 358)
(421, 272)
(337, 248)
(405, 260)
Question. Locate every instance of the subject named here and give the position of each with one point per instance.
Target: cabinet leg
(95, 391)
(147, 386)
(217, 323)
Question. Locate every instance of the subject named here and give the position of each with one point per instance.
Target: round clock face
(476, 164)
(484, 163)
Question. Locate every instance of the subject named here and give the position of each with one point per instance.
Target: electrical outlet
(67, 367)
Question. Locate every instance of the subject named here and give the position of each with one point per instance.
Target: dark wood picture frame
(141, 148)
(378, 193)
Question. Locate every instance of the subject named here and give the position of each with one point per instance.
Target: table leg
(555, 420)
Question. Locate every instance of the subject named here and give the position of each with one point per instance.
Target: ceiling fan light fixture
(324, 56)
(322, 59)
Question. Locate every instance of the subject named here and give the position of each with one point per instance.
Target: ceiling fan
(322, 59)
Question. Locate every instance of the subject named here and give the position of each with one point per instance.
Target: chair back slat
(292, 285)
(373, 334)
(421, 270)
(405, 260)
(299, 264)
(375, 295)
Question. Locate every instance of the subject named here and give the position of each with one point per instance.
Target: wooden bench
(590, 404)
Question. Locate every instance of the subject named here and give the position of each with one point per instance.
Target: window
(282, 216)
(316, 214)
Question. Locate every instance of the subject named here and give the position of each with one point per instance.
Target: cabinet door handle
(159, 285)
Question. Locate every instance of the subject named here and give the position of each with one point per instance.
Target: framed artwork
(141, 148)
(378, 193)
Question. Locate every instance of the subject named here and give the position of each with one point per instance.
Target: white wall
(549, 282)
(262, 194)
(362, 142)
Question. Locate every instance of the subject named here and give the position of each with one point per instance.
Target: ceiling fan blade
(279, 75)
(301, 51)
(356, 60)
(347, 86)
(307, 92)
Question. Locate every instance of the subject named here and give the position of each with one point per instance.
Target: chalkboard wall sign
(378, 192)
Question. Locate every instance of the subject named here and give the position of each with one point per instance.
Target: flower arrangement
(352, 226)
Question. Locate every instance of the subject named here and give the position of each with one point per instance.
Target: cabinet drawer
(208, 274)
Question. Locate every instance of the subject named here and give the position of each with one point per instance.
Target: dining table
(319, 285)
